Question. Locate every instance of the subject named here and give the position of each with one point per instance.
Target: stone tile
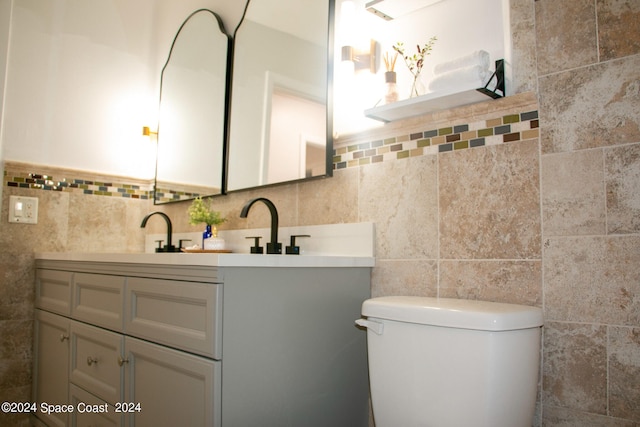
(15, 419)
(624, 373)
(490, 202)
(564, 417)
(592, 279)
(523, 40)
(330, 201)
(101, 224)
(408, 278)
(17, 276)
(594, 106)
(16, 339)
(49, 234)
(573, 200)
(400, 197)
(623, 189)
(618, 28)
(135, 210)
(14, 371)
(514, 282)
(177, 212)
(565, 34)
(284, 197)
(575, 367)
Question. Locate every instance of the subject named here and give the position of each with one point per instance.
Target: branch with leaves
(201, 211)
(416, 61)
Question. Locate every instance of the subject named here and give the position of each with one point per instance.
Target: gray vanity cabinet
(152, 373)
(150, 345)
(51, 368)
(292, 354)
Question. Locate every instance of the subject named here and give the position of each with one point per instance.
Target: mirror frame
(225, 118)
(329, 105)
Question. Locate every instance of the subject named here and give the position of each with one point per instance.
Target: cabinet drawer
(91, 411)
(95, 356)
(98, 299)
(53, 291)
(184, 315)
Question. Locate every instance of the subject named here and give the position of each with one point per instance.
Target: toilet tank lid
(454, 313)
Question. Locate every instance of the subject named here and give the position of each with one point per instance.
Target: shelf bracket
(498, 75)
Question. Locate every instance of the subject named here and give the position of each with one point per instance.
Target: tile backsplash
(509, 128)
(82, 183)
(71, 182)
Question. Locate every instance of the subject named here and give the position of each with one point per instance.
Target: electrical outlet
(23, 209)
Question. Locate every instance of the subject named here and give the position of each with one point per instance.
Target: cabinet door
(183, 315)
(53, 291)
(51, 365)
(95, 354)
(91, 411)
(98, 299)
(167, 387)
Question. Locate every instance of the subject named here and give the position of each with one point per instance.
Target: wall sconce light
(363, 59)
(360, 54)
(146, 131)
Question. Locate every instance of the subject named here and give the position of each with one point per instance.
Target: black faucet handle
(256, 248)
(159, 248)
(180, 242)
(293, 249)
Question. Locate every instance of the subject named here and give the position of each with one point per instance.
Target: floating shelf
(424, 104)
(441, 100)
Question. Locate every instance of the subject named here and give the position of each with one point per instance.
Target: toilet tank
(452, 363)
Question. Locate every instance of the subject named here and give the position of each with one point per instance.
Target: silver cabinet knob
(122, 361)
(91, 360)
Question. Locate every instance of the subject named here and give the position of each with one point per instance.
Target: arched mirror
(280, 126)
(191, 128)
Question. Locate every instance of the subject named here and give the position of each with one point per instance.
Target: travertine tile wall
(589, 92)
(67, 221)
(552, 221)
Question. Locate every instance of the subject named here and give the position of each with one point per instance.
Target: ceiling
(391, 9)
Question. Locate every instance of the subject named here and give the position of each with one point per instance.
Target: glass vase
(417, 87)
(210, 239)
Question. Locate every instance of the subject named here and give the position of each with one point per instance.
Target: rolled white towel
(462, 77)
(480, 58)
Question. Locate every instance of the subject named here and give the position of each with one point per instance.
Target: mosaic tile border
(90, 187)
(166, 195)
(41, 181)
(509, 128)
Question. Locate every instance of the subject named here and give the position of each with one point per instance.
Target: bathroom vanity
(200, 340)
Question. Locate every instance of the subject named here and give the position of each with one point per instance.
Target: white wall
(83, 78)
(461, 26)
(5, 20)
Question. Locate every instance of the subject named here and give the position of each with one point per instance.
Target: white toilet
(436, 362)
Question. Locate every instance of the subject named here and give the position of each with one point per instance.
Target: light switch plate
(23, 209)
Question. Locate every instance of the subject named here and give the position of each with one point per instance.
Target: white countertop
(212, 259)
(331, 245)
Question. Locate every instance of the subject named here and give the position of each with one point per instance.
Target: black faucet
(168, 247)
(273, 247)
